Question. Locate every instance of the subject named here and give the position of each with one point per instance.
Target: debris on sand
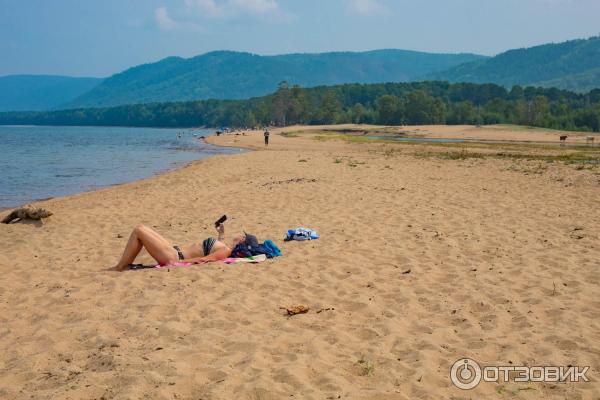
(293, 180)
(26, 212)
(576, 233)
(325, 309)
(296, 310)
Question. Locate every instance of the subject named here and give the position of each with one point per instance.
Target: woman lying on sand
(165, 253)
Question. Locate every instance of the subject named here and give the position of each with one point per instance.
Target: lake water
(39, 162)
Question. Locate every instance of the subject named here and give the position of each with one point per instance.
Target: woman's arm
(220, 254)
(221, 232)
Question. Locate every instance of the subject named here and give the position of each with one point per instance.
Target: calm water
(40, 162)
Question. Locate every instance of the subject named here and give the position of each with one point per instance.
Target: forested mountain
(234, 75)
(41, 92)
(572, 65)
(387, 104)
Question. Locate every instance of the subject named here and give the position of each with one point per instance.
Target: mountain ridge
(543, 65)
(227, 74)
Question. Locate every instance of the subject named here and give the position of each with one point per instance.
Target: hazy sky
(102, 37)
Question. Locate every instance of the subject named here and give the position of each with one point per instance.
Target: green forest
(384, 104)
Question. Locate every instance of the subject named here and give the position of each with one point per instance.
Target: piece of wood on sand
(296, 310)
(26, 212)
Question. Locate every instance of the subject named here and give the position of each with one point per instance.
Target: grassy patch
(459, 155)
(290, 134)
(359, 129)
(537, 169)
(367, 367)
(523, 128)
(351, 162)
(579, 155)
(391, 151)
(569, 158)
(322, 136)
(512, 146)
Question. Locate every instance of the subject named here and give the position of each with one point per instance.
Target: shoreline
(173, 167)
(154, 175)
(218, 141)
(113, 185)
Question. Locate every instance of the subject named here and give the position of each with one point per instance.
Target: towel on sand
(251, 260)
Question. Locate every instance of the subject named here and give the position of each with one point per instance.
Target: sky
(102, 37)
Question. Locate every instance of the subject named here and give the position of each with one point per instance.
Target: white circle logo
(465, 373)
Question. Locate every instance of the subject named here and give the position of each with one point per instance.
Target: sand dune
(422, 261)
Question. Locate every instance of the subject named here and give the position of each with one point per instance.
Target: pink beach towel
(248, 260)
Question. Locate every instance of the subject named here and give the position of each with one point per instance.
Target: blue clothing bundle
(251, 247)
(272, 249)
(301, 234)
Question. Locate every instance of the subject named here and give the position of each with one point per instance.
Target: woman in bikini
(165, 253)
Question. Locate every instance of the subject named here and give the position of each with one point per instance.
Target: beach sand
(422, 260)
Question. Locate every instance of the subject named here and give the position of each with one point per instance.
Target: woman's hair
(239, 238)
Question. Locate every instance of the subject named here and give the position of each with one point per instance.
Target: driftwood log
(26, 213)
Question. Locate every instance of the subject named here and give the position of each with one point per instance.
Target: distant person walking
(267, 137)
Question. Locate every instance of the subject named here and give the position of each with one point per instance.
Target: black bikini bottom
(179, 252)
(208, 244)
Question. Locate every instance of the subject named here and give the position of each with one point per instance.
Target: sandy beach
(427, 255)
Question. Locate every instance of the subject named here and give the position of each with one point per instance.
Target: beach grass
(470, 150)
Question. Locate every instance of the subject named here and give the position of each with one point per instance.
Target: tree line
(415, 103)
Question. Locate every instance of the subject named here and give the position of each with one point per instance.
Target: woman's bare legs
(145, 237)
